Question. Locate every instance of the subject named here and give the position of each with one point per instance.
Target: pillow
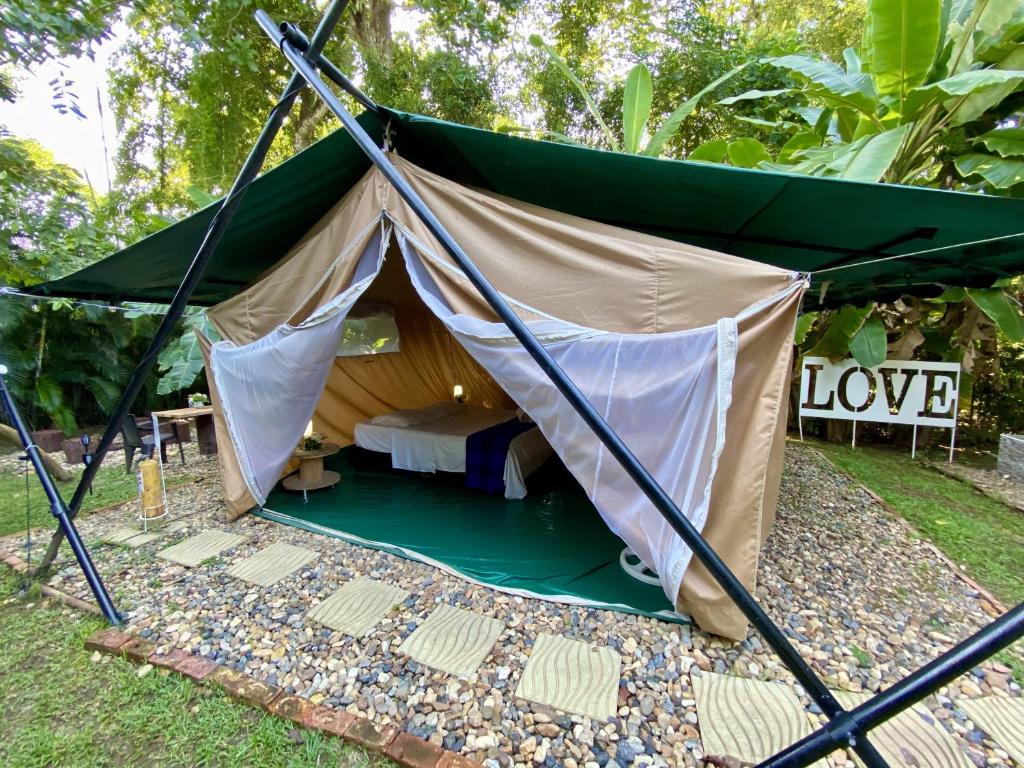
(407, 417)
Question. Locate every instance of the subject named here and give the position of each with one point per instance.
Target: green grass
(981, 535)
(59, 708)
(111, 486)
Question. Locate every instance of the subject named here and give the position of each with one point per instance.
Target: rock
(646, 705)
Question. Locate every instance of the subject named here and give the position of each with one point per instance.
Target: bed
(434, 439)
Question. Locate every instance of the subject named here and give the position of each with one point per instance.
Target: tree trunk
(54, 467)
(370, 23)
(839, 430)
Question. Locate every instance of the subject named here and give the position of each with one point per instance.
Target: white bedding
(422, 441)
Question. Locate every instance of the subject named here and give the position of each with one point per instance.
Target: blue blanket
(485, 455)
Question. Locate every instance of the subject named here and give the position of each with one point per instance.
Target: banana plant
(916, 104)
(637, 99)
(181, 361)
(961, 324)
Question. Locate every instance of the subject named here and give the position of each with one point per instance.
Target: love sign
(896, 392)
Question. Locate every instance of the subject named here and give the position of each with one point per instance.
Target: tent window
(369, 329)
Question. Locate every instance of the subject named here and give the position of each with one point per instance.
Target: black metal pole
(57, 507)
(214, 232)
(641, 476)
(1000, 633)
(295, 36)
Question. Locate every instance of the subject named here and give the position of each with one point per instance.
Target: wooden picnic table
(205, 434)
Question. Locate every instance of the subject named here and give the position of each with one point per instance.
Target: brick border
(404, 748)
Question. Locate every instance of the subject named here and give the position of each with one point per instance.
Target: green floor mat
(551, 544)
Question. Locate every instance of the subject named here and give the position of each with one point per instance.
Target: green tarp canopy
(799, 222)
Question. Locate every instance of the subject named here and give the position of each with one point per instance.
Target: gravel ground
(865, 602)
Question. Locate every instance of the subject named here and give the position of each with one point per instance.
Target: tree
(828, 28)
(45, 221)
(637, 100)
(34, 32)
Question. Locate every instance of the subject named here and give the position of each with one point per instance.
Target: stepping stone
(747, 719)
(453, 640)
(270, 565)
(572, 676)
(912, 738)
(1002, 718)
(130, 537)
(357, 606)
(202, 546)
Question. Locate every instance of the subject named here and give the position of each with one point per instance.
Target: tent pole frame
(214, 233)
(57, 507)
(629, 462)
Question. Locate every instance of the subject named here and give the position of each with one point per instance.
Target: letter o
(843, 383)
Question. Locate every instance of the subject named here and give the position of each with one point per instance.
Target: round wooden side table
(311, 475)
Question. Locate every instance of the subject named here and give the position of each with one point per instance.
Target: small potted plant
(314, 441)
(198, 400)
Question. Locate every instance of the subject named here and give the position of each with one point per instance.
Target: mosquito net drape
(269, 388)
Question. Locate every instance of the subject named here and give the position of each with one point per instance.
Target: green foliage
(33, 32)
(868, 344)
(839, 327)
(713, 151)
(638, 96)
(181, 360)
(44, 212)
(563, 67)
(827, 28)
(636, 106)
(67, 365)
(900, 108)
(747, 153)
(672, 124)
(803, 326)
(1001, 309)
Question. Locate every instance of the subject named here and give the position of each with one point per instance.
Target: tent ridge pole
(214, 233)
(636, 470)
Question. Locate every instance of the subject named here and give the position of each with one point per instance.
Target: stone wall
(1011, 457)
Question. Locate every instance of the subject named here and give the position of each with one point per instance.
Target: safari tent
(667, 290)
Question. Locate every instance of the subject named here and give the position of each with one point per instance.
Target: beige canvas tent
(687, 350)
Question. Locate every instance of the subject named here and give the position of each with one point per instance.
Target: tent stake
(214, 232)
(633, 467)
